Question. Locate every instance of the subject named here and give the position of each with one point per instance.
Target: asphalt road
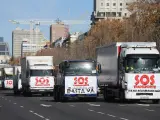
(44, 108)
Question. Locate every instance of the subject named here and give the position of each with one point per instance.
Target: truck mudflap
(8, 84)
(142, 86)
(81, 85)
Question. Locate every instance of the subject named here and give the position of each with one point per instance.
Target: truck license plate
(144, 97)
(41, 90)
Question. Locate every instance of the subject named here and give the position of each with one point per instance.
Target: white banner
(81, 85)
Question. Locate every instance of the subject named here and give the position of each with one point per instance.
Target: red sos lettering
(145, 80)
(9, 82)
(81, 81)
(42, 82)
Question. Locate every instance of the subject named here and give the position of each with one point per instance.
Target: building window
(120, 4)
(125, 14)
(120, 9)
(107, 4)
(101, 4)
(114, 4)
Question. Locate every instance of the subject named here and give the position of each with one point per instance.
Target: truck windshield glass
(81, 68)
(9, 77)
(41, 73)
(138, 63)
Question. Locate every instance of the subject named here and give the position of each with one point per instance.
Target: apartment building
(20, 35)
(110, 9)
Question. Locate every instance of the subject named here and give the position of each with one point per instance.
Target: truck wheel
(155, 101)
(122, 96)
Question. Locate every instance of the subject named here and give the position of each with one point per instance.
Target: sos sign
(81, 81)
(42, 82)
(9, 82)
(144, 81)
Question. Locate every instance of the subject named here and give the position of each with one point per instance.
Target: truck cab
(76, 78)
(37, 75)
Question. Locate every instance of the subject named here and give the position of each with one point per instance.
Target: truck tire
(61, 95)
(107, 97)
(122, 96)
(56, 94)
(155, 101)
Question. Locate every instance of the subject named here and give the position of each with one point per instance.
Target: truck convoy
(129, 71)
(8, 78)
(37, 75)
(17, 80)
(76, 78)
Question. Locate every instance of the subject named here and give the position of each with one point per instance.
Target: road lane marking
(93, 104)
(15, 103)
(31, 111)
(72, 105)
(101, 113)
(45, 105)
(123, 118)
(90, 110)
(143, 104)
(111, 115)
(47, 119)
(39, 115)
(149, 110)
(21, 106)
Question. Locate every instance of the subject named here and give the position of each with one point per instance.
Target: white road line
(21, 106)
(101, 113)
(46, 119)
(45, 105)
(72, 105)
(93, 104)
(149, 110)
(15, 103)
(90, 110)
(143, 104)
(31, 111)
(39, 115)
(111, 115)
(0, 106)
(123, 118)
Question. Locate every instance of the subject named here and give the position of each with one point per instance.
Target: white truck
(8, 78)
(129, 71)
(17, 80)
(76, 79)
(37, 75)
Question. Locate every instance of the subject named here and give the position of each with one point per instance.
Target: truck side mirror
(99, 68)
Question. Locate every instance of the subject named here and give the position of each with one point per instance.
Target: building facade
(19, 35)
(57, 31)
(110, 9)
(4, 47)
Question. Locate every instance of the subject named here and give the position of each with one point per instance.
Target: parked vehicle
(129, 71)
(76, 78)
(37, 75)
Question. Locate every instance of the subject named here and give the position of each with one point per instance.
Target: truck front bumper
(142, 95)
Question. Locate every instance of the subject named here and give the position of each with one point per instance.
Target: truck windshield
(9, 77)
(81, 68)
(41, 73)
(139, 63)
